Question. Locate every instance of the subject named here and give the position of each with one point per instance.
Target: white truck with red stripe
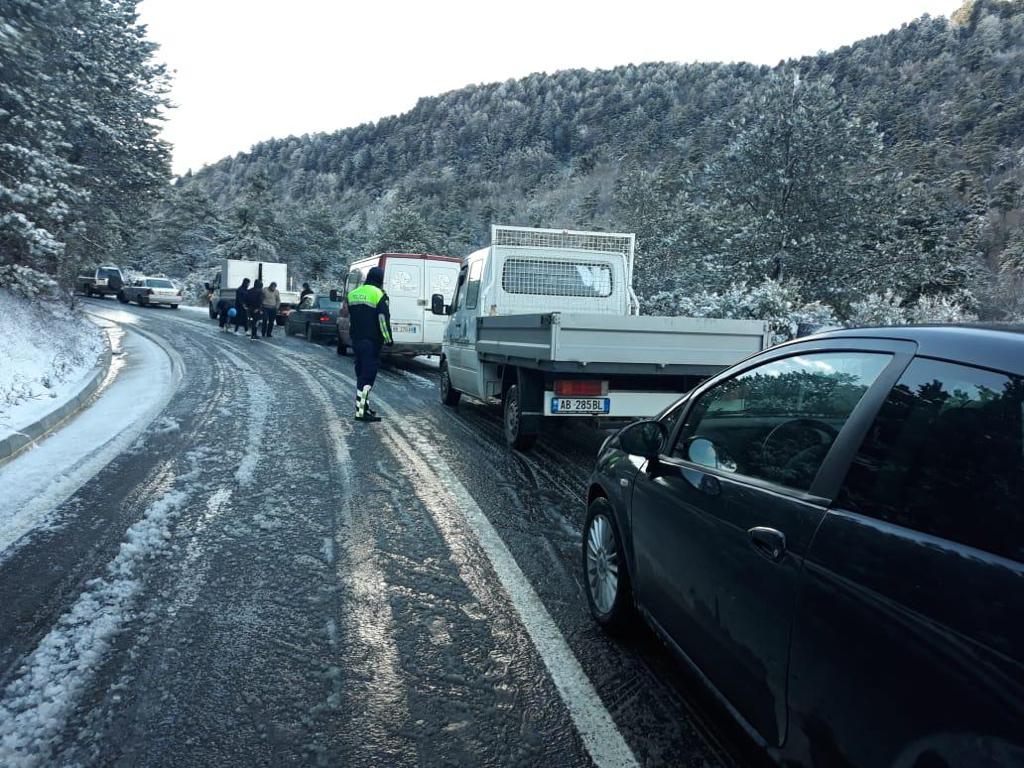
(546, 321)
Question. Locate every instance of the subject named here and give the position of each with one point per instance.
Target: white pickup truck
(546, 321)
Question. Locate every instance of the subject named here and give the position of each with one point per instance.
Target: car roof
(991, 345)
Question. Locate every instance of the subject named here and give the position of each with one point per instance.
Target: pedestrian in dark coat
(241, 317)
(254, 306)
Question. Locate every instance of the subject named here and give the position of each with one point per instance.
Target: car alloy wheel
(602, 564)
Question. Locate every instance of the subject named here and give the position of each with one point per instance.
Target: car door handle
(768, 542)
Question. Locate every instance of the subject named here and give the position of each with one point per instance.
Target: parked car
(832, 534)
(106, 280)
(316, 317)
(151, 290)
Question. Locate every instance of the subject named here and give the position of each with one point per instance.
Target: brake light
(580, 388)
(325, 318)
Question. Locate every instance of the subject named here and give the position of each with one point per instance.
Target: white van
(410, 279)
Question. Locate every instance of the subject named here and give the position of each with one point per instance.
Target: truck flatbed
(615, 344)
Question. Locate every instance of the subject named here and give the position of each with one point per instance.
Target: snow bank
(48, 351)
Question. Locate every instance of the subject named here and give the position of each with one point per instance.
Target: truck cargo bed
(603, 343)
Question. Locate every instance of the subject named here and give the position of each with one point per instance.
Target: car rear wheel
(121, 297)
(449, 395)
(605, 577)
(516, 433)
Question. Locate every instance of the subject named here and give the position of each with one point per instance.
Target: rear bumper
(412, 350)
(168, 300)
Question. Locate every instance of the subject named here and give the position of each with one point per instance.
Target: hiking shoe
(368, 417)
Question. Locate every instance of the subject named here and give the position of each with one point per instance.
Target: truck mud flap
(531, 392)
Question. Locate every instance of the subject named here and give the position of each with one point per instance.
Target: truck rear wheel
(517, 433)
(449, 395)
(121, 297)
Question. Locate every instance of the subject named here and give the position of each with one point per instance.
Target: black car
(317, 316)
(831, 533)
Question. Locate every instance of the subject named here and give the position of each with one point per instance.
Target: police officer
(370, 329)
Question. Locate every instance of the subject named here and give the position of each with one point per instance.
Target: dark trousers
(241, 319)
(222, 313)
(269, 314)
(367, 356)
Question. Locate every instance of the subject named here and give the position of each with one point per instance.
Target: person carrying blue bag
(370, 330)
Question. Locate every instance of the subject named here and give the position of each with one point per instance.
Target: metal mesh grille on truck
(543, 238)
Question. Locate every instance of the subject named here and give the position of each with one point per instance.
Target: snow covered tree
(797, 193)
(80, 156)
(183, 233)
(252, 228)
(402, 230)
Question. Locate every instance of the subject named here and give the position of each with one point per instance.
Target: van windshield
(557, 278)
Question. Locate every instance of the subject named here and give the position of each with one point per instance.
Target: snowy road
(259, 580)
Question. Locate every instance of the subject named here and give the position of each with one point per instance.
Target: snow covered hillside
(48, 351)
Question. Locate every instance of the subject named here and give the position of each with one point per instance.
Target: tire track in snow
(370, 633)
(596, 727)
(35, 706)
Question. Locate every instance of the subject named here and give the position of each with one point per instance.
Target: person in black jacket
(241, 294)
(370, 329)
(254, 306)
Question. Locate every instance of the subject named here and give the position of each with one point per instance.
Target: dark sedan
(316, 317)
(832, 534)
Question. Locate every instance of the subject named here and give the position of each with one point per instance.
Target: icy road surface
(256, 580)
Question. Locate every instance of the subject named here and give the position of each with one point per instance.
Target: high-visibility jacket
(369, 315)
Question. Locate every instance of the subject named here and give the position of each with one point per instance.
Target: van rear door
(442, 277)
(403, 282)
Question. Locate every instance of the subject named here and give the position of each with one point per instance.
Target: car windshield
(159, 283)
(108, 273)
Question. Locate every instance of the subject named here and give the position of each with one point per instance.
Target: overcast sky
(249, 70)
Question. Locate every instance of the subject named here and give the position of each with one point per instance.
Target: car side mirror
(437, 305)
(644, 438)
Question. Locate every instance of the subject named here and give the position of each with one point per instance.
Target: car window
(159, 283)
(777, 421)
(460, 294)
(473, 284)
(325, 303)
(353, 280)
(945, 456)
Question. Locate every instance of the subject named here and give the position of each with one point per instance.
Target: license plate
(405, 328)
(580, 404)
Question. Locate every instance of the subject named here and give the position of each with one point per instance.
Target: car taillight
(580, 388)
(325, 318)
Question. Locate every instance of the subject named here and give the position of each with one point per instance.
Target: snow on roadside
(35, 707)
(36, 482)
(49, 351)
